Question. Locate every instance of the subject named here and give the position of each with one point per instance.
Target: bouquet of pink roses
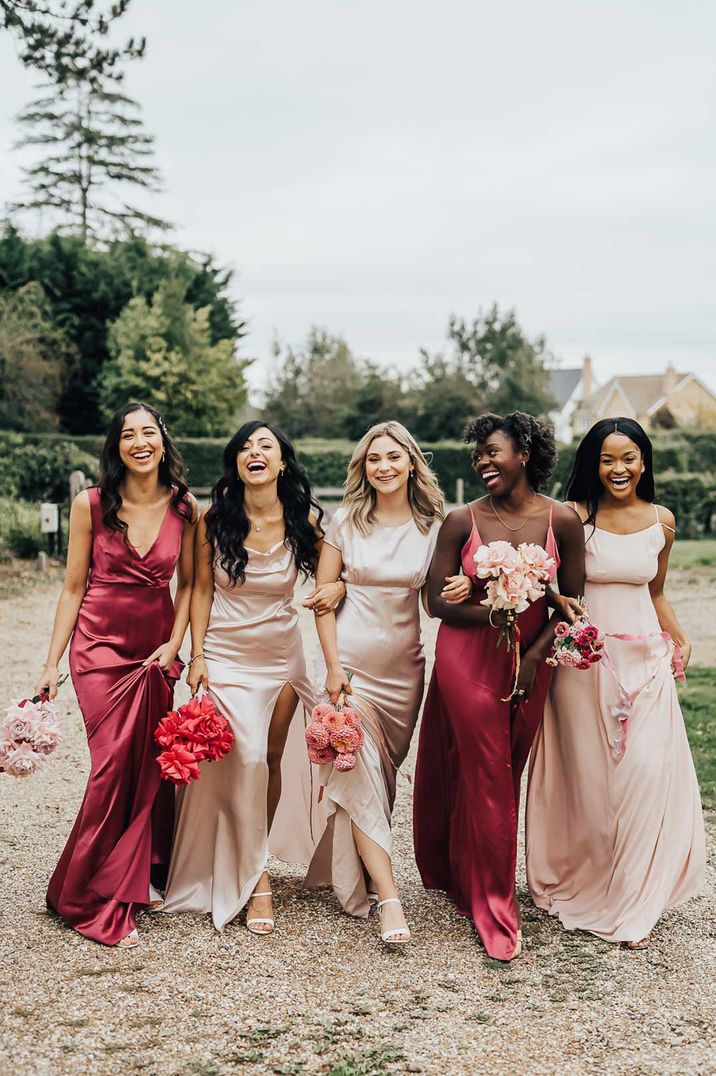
(515, 579)
(29, 732)
(335, 734)
(578, 646)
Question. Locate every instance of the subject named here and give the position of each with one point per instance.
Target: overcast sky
(372, 167)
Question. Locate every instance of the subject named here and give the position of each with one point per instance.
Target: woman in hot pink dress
(473, 743)
(127, 538)
(615, 834)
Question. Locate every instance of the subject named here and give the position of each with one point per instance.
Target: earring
(163, 456)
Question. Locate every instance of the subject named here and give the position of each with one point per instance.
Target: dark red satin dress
(123, 830)
(472, 751)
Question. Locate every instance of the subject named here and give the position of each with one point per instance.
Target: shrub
(20, 528)
(41, 471)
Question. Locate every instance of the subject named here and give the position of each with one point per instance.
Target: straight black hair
(584, 484)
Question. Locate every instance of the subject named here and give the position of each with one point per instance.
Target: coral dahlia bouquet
(29, 732)
(193, 733)
(334, 734)
(577, 646)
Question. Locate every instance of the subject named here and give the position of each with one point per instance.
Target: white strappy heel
(130, 942)
(262, 919)
(390, 937)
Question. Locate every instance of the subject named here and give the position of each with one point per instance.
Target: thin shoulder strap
(474, 523)
(551, 509)
(666, 526)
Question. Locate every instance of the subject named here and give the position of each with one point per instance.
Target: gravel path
(321, 994)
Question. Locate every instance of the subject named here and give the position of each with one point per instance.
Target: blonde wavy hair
(424, 494)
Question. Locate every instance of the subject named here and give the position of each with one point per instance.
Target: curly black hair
(172, 472)
(527, 434)
(227, 523)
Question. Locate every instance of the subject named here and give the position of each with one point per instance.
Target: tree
(89, 287)
(34, 357)
(65, 39)
(95, 144)
(161, 352)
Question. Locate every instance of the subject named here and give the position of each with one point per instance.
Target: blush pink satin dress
(123, 829)
(378, 635)
(472, 751)
(253, 648)
(615, 833)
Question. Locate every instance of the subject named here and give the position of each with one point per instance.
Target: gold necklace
(525, 520)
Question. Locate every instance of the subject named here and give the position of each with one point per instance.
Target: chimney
(586, 379)
(668, 381)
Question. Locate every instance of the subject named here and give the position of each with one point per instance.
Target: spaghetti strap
(667, 526)
(549, 521)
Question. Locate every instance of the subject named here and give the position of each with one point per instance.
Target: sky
(373, 167)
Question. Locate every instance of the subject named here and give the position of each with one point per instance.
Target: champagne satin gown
(253, 648)
(615, 833)
(473, 749)
(123, 829)
(379, 641)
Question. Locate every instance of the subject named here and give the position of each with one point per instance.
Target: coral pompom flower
(194, 733)
(335, 734)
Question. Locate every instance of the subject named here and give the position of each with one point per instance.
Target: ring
(520, 691)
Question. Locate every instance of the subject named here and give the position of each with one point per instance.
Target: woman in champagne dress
(475, 738)
(380, 543)
(615, 833)
(127, 538)
(259, 533)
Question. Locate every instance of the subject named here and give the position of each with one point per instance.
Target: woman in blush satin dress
(127, 538)
(474, 741)
(380, 543)
(261, 530)
(615, 834)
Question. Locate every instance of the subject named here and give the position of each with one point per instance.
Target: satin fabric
(613, 842)
(123, 829)
(253, 648)
(472, 751)
(378, 636)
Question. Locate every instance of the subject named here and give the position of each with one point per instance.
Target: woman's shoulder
(666, 517)
(458, 521)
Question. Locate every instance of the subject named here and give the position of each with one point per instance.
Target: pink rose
(536, 559)
(317, 736)
(46, 738)
(321, 758)
(22, 762)
(562, 630)
(495, 559)
(344, 763)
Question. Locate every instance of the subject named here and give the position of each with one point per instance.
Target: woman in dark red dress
(473, 744)
(127, 538)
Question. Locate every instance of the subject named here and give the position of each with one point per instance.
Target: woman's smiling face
(387, 465)
(621, 465)
(258, 461)
(141, 445)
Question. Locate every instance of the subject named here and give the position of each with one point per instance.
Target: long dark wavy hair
(584, 484)
(227, 524)
(172, 472)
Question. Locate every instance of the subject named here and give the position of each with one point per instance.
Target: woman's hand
(337, 683)
(685, 653)
(198, 675)
(526, 679)
(47, 684)
(165, 655)
(457, 589)
(567, 608)
(325, 597)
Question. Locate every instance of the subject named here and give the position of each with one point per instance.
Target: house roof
(642, 391)
(563, 383)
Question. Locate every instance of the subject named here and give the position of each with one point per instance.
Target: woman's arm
(569, 533)
(666, 616)
(79, 554)
(452, 536)
(202, 597)
(167, 652)
(329, 569)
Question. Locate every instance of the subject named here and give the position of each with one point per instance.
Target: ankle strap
(389, 900)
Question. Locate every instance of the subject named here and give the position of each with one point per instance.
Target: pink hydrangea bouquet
(29, 732)
(335, 734)
(577, 646)
(516, 577)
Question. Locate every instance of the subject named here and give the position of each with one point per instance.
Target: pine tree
(95, 143)
(67, 39)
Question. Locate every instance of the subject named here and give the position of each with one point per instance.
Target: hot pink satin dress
(472, 751)
(124, 826)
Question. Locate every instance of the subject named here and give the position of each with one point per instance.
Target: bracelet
(492, 623)
(194, 659)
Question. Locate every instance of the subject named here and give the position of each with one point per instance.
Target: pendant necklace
(526, 520)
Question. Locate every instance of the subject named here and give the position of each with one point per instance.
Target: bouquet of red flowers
(578, 646)
(189, 735)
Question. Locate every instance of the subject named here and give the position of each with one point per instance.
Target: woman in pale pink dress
(615, 833)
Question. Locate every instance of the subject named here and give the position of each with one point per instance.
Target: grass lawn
(698, 701)
(693, 553)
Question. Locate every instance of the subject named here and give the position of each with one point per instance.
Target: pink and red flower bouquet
(334, 734)
(577, 646)
(29, 732)
(193, 733)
